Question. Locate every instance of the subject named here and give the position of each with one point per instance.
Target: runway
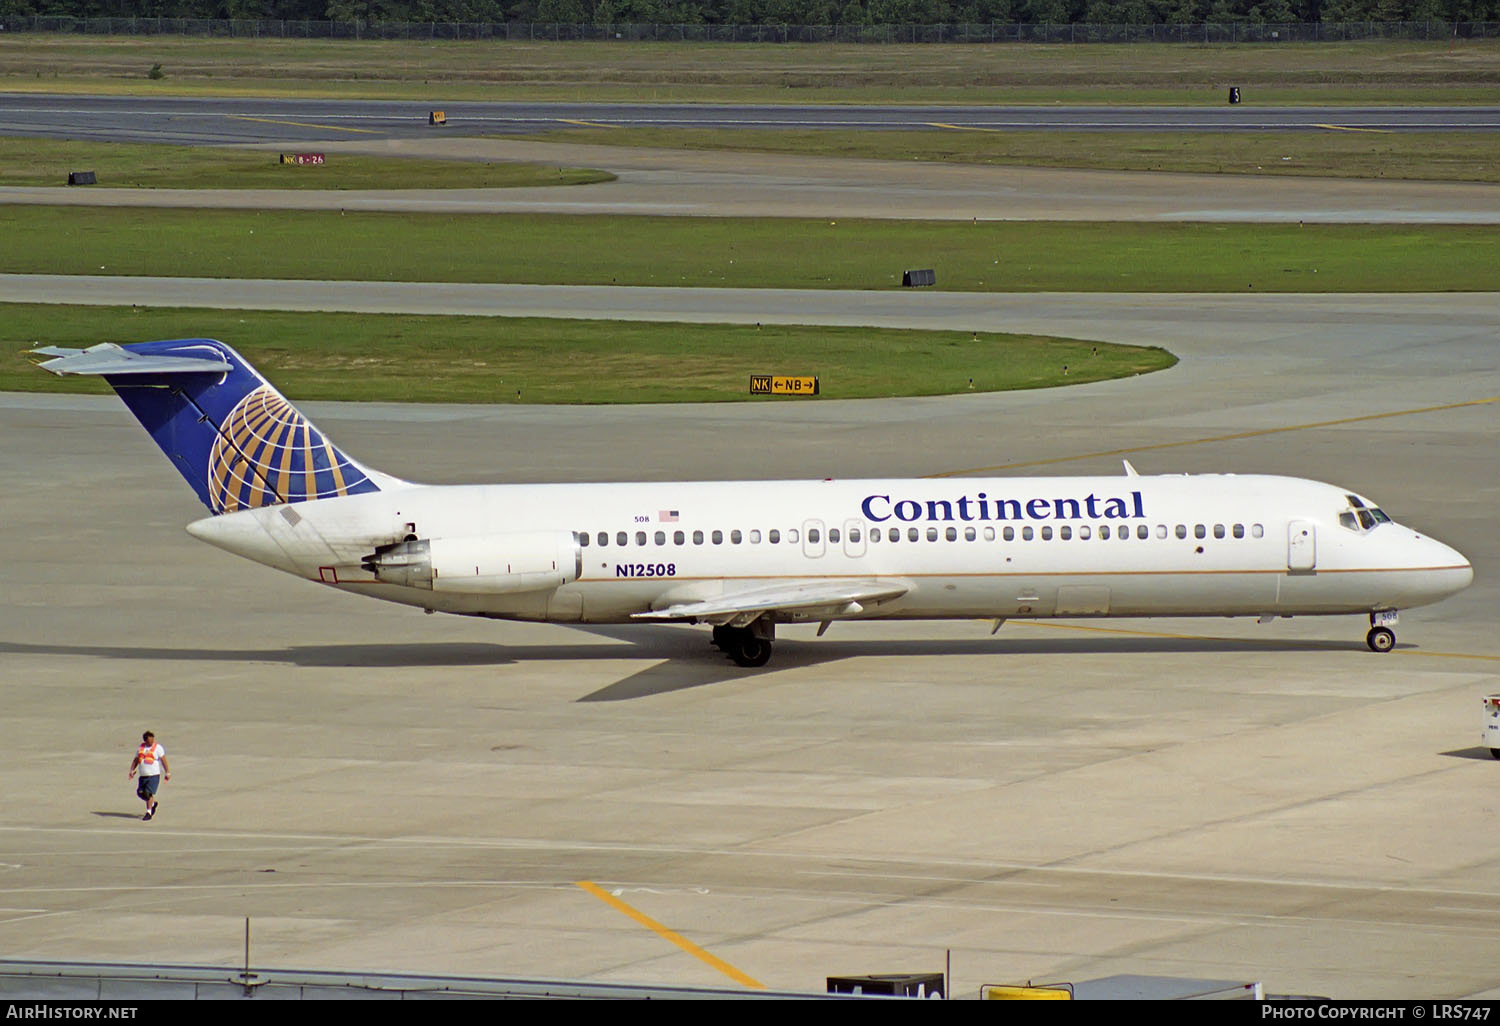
(382, 790)
(241, 120)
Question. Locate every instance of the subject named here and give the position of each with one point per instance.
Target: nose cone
(1451, 572)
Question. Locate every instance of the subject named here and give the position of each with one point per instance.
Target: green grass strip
(999, 256)
(399, 358)
(32, 162)
(435, 72)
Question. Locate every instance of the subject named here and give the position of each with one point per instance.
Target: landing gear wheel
(1380, 639)
(750, 650)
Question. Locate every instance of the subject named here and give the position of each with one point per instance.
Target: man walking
(151, 760)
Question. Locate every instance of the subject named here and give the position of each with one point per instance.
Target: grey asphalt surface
(718, 184)
(382, 790)
(233, 120)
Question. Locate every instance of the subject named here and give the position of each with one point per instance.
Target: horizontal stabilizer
(108, 358)
(786, 595)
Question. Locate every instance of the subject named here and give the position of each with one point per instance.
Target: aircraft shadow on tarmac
(1470, 753)
(684, 659)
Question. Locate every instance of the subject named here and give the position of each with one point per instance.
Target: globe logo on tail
(267, 453)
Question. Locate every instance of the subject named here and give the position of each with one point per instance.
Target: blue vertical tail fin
(232, 436)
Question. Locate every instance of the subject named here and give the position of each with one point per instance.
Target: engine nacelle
(492, 564)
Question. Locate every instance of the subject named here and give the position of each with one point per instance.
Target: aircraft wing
(739, 607)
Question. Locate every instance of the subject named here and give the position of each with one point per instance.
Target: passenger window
(1218, 530)
(932, 534)
(603, 539)
(621, 538)
(1161, 531)
(1026, 533)
(718, 537)
(833, 536)
(1143, 532)
(1199, 531)
(895, 534)
(969, 534)
(1065, 533)
(1182, 530)
(1010, 534)
(678, 537)
(1256, 531)
(1239, 530)
(792, 536)
(735, 537)
(854, 534)
(1047, 533)
(773, 536)
(661, 537)
(697, 537)
(989, 534)
(951, 534)
(1083, 532)
(1104, 532)
(874, 534)
(755, 537)
(640, 537)
(813, 536)
(583, 538)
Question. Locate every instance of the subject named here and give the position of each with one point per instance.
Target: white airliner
(745, 556)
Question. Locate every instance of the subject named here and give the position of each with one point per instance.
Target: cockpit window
(1361, 516)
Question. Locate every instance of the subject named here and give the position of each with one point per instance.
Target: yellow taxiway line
(1218, 637)
(304, 124)
(671, 935)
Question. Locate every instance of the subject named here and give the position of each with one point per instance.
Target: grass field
(1428, 156)
(1459, 72)
(1005, 256)
(532, 360)
(30, 161)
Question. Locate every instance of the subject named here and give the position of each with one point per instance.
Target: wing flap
(108, 358)
(743, 605)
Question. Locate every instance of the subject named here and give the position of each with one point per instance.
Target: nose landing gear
(1381, 638)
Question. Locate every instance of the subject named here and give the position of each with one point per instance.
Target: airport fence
(1012, 32)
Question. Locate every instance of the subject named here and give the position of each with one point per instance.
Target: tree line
(777, 12)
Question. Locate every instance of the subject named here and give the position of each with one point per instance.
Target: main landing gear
(747, 646)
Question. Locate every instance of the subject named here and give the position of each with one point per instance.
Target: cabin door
(1301, 547)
